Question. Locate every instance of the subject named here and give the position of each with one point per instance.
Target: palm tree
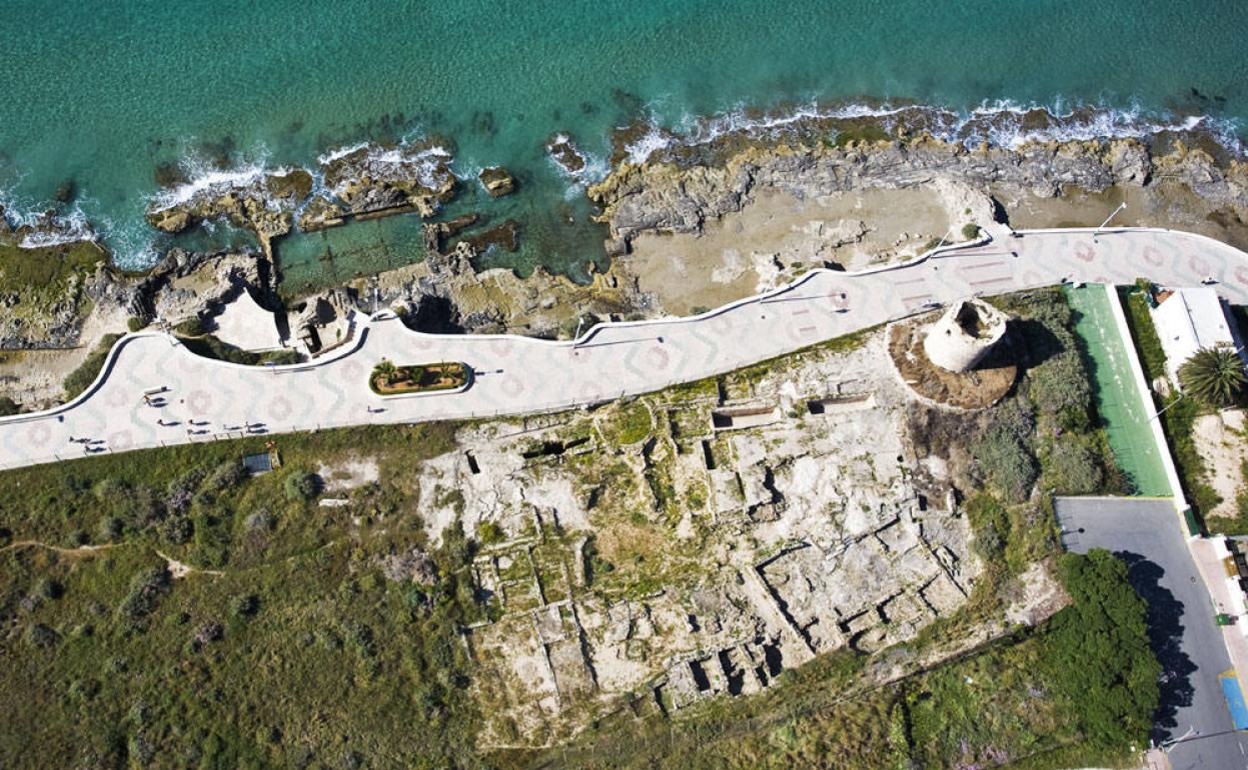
(386, 370)
(1213, 375)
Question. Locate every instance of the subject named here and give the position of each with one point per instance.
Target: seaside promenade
(205, 399)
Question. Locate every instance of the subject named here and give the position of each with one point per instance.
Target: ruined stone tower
(964, 334)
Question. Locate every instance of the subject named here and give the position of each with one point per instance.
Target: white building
(964, 334)
(1188, 320)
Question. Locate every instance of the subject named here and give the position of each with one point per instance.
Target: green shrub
(227, 475)
(146, 587)
(245, 606)
(489, 533)
(991, 525)
(9, 406)
(1005, 462)
(1072, 469)
(39, 635)
(970, 231)
(191, 327)
(301, 485)
(134, 323)
(47, 588)
(210, 346)
(110, 529)
(82, 377)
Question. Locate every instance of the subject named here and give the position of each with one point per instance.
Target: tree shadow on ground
(1165, 636)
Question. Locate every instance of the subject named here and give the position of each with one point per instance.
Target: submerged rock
(436, 233)
(504, 236)
(563, 151)
(497, 181)
(320, 213)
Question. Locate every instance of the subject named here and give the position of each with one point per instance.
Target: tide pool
(104, 93)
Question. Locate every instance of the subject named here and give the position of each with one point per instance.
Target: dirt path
(180, 569)
(82, 550)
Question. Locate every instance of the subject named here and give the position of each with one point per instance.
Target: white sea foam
(654, 140)
(65, 226)
(999, 122)
(403, 160)
(205, 178)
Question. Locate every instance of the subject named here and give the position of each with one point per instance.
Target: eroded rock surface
(697, 543)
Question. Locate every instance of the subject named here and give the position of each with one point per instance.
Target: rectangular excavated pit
(839, 404)
(735, 418)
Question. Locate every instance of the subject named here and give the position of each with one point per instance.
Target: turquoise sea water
(101, 93)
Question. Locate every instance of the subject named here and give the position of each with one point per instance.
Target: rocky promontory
(665, 195)
(371, 180)
(262, 203)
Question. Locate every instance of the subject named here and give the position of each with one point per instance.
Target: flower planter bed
(420, 378)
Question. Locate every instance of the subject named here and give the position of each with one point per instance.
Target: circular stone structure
(964, 334)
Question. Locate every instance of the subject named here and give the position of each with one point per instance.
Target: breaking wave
(1001, 123)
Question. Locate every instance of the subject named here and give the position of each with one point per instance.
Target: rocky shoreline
(668, 196)
(821, 191)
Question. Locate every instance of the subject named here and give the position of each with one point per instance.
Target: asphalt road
(1148, 536)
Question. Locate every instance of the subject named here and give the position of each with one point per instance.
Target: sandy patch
(35, 378)
(1162, 204)
(348, 474)
(1222, 446)
(777, 236)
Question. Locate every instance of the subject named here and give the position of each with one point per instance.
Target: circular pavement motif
(1085, 252)
(279, 408)
(120, 439)
(840, 299)
(38, 433)
(1153, 256)
(199, 402)
(1241, 275)
(512, 387)
(351, 370)
(658, 358)
(116, 397)
(1198, 264)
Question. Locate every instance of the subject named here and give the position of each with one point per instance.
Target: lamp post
(1112, 214)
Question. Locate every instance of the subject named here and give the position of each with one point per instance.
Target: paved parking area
(1148, 535)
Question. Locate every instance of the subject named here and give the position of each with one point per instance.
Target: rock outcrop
(664, 195)
(373, 181)
(563, 151)
(497, 181)
(263, 204)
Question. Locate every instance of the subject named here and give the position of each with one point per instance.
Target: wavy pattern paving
(211, 399)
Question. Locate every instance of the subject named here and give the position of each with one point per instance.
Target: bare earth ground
(1220, 442)
(42, 372)
(1158, 205)
(777, 234)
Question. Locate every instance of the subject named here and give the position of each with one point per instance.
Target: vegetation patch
(210, 346)
(1023, 701)
(390, 380)
(81, 378)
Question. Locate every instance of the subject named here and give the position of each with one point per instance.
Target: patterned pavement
(206, 399)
